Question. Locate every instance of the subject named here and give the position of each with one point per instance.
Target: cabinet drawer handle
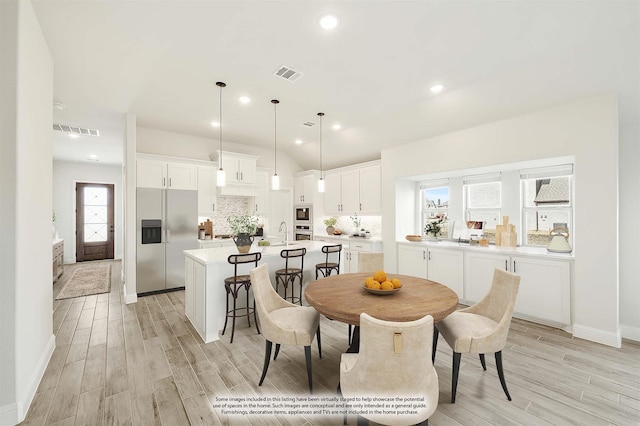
(169, 182)
(241, 176)
(514, 266)
(506, 265)
(164, 182)
(423, 255)
(429, 255)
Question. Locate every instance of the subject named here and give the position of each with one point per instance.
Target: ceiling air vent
(76, 130)
(308, 124)
(287, 73)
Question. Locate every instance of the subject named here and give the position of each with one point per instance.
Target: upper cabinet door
(370, 189)
(206, 190)
(181, 176)
(350, 188)
(151, 174)
(332, 194)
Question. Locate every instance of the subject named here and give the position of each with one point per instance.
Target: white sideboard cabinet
(444, 266)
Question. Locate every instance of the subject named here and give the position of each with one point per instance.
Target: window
(434, 196)
(482, 201)
(547, 203)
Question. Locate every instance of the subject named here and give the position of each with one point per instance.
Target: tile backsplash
(373, 224)
(224, 207)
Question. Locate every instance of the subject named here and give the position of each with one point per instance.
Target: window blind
(547, 172)
(483, 178)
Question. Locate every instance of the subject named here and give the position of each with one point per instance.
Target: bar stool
(288, 276)
(234, 284)
(327, 267)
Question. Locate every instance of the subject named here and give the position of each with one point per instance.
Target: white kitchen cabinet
(215, 243)
(353, 190)
(165, 175)
(261, 200)
(206, 190)
(440, 265)
(239, 168)
(305, 188)
(354, 248)
(412, 260)
(446, 267)
(545, 285)
(545, 288)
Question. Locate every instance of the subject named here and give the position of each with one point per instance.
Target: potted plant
(433, 228)
(329, 223)
(243, 226)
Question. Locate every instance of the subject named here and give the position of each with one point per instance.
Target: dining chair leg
(255, 316)
(349, 333)
(318, 340)
(226, 318)
(267, 357)
(247, 306)
(454, 376)
(501, 374)
(277, 351)
(484, 364)
(307, 356)
(233, 320)
(434, 344)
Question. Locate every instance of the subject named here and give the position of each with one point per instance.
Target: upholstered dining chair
(481, 328)
(393, 362)
(282, 322)
(370, 262)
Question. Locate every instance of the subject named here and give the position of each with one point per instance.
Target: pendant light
(321, 181)
(221, 179)
(275, 179)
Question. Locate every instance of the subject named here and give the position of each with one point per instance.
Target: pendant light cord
(320, 114)
(275, 103)
(220, 85)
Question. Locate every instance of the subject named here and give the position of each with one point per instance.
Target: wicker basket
(414, 238)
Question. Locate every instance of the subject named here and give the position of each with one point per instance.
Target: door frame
(73, 215)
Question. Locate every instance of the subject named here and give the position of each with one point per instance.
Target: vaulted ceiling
(372, 74)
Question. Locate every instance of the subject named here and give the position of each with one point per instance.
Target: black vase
(243, 242)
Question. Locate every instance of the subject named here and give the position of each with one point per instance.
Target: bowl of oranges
(381, 284)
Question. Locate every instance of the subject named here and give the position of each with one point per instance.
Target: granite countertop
(219, 255)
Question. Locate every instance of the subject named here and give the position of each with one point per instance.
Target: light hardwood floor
(143, 364)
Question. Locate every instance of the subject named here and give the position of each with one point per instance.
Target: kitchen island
(206, 269)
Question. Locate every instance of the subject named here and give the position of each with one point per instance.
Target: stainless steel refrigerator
(167, 222)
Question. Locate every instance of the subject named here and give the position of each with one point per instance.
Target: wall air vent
(308, 124)
(287, 73)
(75, 130)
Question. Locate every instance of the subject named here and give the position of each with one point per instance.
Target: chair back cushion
(394, 361)
(370, 262)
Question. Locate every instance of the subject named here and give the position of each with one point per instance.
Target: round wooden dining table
(343, 298)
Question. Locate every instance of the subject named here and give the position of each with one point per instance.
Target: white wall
(586, 129)
(26, 118)
(65, 176)
(152, 141)
(630, 231)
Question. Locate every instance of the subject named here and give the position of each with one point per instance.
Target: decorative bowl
(382, 292)
(414, 238)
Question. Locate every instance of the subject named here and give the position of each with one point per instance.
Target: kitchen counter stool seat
(290, 275)
(326, 268)
(233, 285)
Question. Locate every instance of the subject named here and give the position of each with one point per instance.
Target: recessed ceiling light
(336, 126)
(436, 88)
(328, 22)
(58, 105)
(244, 99)
(74, 136)
(93, 157)
(215, 124)
(298, 141)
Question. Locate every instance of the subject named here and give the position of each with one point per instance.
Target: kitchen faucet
(284, 235)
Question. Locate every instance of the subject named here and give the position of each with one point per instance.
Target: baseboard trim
(597, 335)
(629, 332)
(15, 412)
(129, 298)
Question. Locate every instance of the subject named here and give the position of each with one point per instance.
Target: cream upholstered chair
(370, 262)
(283, 322)
(393, 362)
(481, 328)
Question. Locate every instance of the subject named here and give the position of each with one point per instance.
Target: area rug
(87, 280)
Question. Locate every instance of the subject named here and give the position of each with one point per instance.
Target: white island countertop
(210, 256)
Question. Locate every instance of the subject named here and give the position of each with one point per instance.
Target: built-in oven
(303, 214)
(303, 232)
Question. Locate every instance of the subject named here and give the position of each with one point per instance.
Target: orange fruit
(380, 276)
(387, 285)
(375, 285)
(396, 283)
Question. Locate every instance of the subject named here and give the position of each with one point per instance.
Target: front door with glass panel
(94, 221)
